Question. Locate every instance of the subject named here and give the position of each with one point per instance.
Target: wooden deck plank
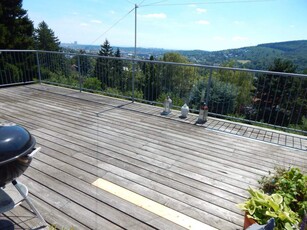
(86, 96)
(62, 140)
(192, 169)
(101, 199)
(129, 103)
(79, 201)
(171, 192)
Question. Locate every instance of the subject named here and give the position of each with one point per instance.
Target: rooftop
(107, 163)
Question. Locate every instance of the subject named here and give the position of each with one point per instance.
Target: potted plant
(261, 207)
(283, 196)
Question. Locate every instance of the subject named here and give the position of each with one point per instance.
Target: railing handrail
(169, 63)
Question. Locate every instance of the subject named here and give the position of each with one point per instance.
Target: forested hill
(255, 57)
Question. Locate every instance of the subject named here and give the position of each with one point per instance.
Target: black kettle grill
(17, 148)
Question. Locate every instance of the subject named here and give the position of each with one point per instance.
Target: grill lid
(15, 141)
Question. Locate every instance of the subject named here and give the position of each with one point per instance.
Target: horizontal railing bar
(60, 84)
(18, 83)
(169, 63)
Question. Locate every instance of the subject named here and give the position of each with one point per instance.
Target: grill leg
(27, 199)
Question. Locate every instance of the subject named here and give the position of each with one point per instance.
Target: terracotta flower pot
(248, 221)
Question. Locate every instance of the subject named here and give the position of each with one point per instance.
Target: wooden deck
(193, 170)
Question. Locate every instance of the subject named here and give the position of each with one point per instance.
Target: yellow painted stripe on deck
(152, 206)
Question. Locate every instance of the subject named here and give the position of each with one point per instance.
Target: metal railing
(253, 96)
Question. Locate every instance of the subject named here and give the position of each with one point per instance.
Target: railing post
(208, 87)
(134, 56)
(38, 68)
(79, 71)
(133, 79)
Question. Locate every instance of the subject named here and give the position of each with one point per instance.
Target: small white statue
(184, 110)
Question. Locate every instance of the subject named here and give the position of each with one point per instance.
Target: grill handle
(36, 150)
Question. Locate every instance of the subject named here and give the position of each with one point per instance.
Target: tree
(117, 53)
(16, 29)
(103, 65)
(84, 63)
(276, 95)
(45, 39)
(242, 80)
(152, 82)
(222, 96)
(106, 49)
(178, 79)
(118, 70)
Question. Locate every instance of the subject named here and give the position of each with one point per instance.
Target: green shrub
(282, 195)
(57, 77)
(222, 96)
(92, 83)
(262, 207)
(291, 185)
(302, 126)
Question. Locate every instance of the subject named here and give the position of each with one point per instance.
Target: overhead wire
(118, 21)
(154, 3)
(141, 2)
(204, 3)
(130, 2)
(172, 4)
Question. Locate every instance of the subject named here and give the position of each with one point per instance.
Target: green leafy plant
(261, 207)
(291, 184)
(92, 84)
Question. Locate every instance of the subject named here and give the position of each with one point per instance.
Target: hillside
(143, 53)
(293, 50)
(254, 57)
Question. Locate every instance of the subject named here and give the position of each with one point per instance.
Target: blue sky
(173, 24)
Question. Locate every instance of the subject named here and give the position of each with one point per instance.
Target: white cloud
(192, 5)
(156, 16)
(112, 12)
(200, 10)
(203, 22)
(83, 24)
(240, 39)
(96, 21)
